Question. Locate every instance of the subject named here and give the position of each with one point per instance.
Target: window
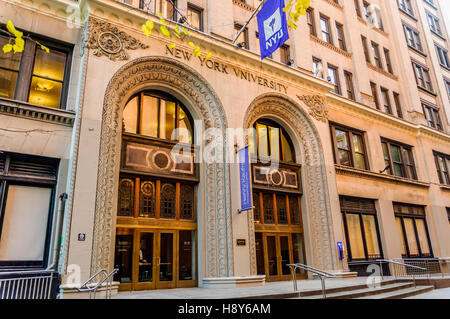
(387, 58)
(349, 84)
(442, 162)
(333, 77)
(412, 230)
(434, 24)
(285, 54)
(442, 56)
(361, 228)
(386, 100)
(373, 88)
(405, 6)
(398, 159)
(398, 106)
(349, 147)
(167, 9)
(157, 115)
(413, 38)
(310, 21)
(422, 77)
(365, 48)
(317, 67)
(195, 17)
(432, 115)
(27, 191)
(358, 8)
(243, 37)
(448, 214)
(376, 55)
(271, 141)
(35, 76)
(325, 28)
(276, 208)
(447, 86)
(340, 36)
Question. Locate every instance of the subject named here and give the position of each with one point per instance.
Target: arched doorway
(214, 258)
(277, 192)
(315, 203)
(156, 218)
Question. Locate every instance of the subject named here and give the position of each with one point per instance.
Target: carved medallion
(106, 39)
(317, 106)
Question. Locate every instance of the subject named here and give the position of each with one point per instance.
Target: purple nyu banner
(244, 173)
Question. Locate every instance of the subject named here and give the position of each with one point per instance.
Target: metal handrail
(402, 264)
(322, 275)
(108, 278)
(428, 262)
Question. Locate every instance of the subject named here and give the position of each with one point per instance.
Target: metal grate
(28, 285)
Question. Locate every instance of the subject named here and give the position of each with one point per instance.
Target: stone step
(318, 292)
(400, 294)
(364, 292)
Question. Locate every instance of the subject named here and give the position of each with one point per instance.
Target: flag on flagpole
(272, 27)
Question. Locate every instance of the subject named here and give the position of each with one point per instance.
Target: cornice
(35, 112)
(334, 4)
(330, 46)
(379, 70)
(348, 171)
(351, 107)
(243, 5)
(131, 19)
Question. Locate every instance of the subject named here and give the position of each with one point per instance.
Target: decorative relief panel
(284, 177)
(106, 39)
(317, 106)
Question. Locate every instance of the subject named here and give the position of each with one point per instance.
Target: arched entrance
(214, 253)
(315, 206)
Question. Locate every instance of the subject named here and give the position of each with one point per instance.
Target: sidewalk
(271, 288)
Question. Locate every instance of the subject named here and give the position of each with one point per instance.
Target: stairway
(391, 289)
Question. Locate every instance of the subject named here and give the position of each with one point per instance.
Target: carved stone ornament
(317, 106)
(106, 39)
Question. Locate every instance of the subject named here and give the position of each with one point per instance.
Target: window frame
(337, 84)
(444, 177)
(328, 33)
(194, 8)
(404, 165)
(414, 217)
(26, 68)
(435, 120)
(350, 132)
(7, 180)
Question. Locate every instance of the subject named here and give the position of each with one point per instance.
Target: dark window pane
(123, 257)
(168, 194)
(146, 257)
(187, 202)
(147, 200)
(8, 81)
(268, 209)
(294, 210)
(282, 209)
(259, 254)
(284, 247)
(166, 257)
(187, 254)
(126, 196)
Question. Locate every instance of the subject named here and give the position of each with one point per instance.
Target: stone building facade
(354, 109)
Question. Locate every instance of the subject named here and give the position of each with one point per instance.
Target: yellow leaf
(172, 45)
(17, 48)
(45, 48)
(292, 24)
(197, 54)
(12, 29)
(165, 31)
(7, 48)
(192, 44)
(209, 55)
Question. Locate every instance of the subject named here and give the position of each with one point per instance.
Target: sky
(445, 6)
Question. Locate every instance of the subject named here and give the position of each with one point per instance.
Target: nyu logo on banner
(244, 174)
(272, 26)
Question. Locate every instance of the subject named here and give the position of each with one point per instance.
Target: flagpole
(248, 21)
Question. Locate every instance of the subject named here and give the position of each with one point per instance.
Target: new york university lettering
(227, 69)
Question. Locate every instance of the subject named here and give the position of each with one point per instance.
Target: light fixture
(43, 86)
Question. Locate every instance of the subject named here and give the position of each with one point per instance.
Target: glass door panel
(272, 255)
(285, 255)
(259, 253)
(123, 258)
(166, 257)
(186, 255)
(146, 257)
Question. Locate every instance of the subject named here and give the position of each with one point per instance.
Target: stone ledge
(232, 282)
(330, 46)
(343, 170)
(243, 5)
(379, 70)
(36, 112)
